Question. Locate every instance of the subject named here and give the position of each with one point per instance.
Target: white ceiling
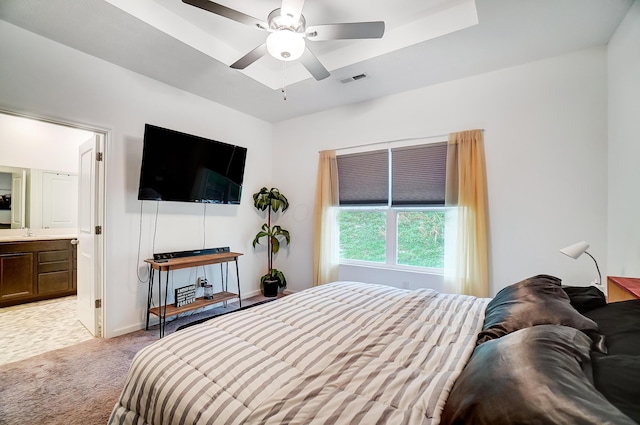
(227, 41)
(426, 42)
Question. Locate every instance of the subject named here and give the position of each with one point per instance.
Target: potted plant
(271, 200)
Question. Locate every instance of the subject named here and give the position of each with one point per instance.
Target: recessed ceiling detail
(288, 31)
(407, 23)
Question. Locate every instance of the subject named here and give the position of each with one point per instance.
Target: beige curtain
(325, 235)
(467, 271)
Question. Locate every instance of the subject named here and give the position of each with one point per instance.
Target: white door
(18, 199)
(88, 218)
(59, 200)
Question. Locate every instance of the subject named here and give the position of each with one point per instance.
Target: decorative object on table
(576, 250)
(271, 200)
(208, 291)
(185, 295)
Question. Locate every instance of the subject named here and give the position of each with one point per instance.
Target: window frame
(391, 212)
(391, 237)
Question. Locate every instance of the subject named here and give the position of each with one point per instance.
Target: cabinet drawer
(58, 266)
(53, 282)
(51, 256)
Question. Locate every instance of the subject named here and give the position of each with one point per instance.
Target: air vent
(358, 77)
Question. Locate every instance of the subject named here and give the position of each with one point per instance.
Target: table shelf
(172, 310)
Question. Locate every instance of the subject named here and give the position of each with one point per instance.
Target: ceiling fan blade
(351, 30)
(250, 57)
(313, 65)
(226, 12)
(292, 8)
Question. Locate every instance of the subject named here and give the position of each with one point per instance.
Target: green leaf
(275, 274)
(275, 244)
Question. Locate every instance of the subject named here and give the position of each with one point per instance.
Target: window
(392, 206)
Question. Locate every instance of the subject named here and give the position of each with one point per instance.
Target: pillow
(617, 377)
(537, 375)
(620, 324)
(585, 298)
(538, 300)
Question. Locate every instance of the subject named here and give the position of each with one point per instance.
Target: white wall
(47, 79)
(624, 147)
(545, 141)
(28, 143)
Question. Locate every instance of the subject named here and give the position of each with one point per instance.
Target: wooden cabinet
(622, 288)
(36, 270)
(16, 276)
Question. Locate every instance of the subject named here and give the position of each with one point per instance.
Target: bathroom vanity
(35, 268)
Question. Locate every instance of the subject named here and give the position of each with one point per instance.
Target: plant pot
(270, 287)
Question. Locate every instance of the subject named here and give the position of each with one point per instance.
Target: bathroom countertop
(35, 237)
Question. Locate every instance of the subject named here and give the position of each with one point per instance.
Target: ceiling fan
(288, 29)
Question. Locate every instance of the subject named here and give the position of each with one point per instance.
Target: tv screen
(186, 168)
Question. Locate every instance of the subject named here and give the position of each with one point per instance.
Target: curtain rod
(408, 139)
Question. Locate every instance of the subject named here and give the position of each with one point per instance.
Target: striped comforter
(343, 353)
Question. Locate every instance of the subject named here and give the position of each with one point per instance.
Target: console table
(622, 288)
(164, 310)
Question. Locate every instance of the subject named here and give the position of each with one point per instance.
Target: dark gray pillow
(538, 300)
(585, 298)
(537, 375)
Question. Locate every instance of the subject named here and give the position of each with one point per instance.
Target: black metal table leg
(238, 280)
(163, 316)
(149, 296)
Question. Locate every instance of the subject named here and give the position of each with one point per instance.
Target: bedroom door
(89, 231)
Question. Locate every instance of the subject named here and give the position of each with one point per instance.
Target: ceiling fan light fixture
(285, 45)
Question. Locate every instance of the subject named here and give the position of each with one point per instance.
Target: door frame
(101, 215)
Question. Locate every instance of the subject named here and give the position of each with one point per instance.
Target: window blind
(419, 174)
(363, 178)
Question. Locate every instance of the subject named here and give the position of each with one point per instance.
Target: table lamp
(576, 250)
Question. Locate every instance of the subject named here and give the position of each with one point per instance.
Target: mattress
(342, 353)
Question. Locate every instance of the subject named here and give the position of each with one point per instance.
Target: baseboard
(251, 294)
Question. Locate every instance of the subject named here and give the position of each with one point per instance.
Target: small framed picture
(5, 199)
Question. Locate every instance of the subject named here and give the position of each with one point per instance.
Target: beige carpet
(76, 385)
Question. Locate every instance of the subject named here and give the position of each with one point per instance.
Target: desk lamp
(576, 250)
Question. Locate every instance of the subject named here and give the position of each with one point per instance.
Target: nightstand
(622, 288)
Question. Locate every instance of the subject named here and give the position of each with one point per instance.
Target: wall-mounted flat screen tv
(186, 168)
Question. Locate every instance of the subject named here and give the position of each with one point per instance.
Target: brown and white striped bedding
(343, 353)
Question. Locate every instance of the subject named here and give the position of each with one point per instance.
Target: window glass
(421, 238)
(362, 235)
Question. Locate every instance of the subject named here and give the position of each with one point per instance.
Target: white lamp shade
(576, 250)
(285, 45)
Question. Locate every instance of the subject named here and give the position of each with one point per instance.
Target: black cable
(140, 243)
(155, 228)
(204, 237)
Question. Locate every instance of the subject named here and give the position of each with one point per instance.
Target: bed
(356, 353)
